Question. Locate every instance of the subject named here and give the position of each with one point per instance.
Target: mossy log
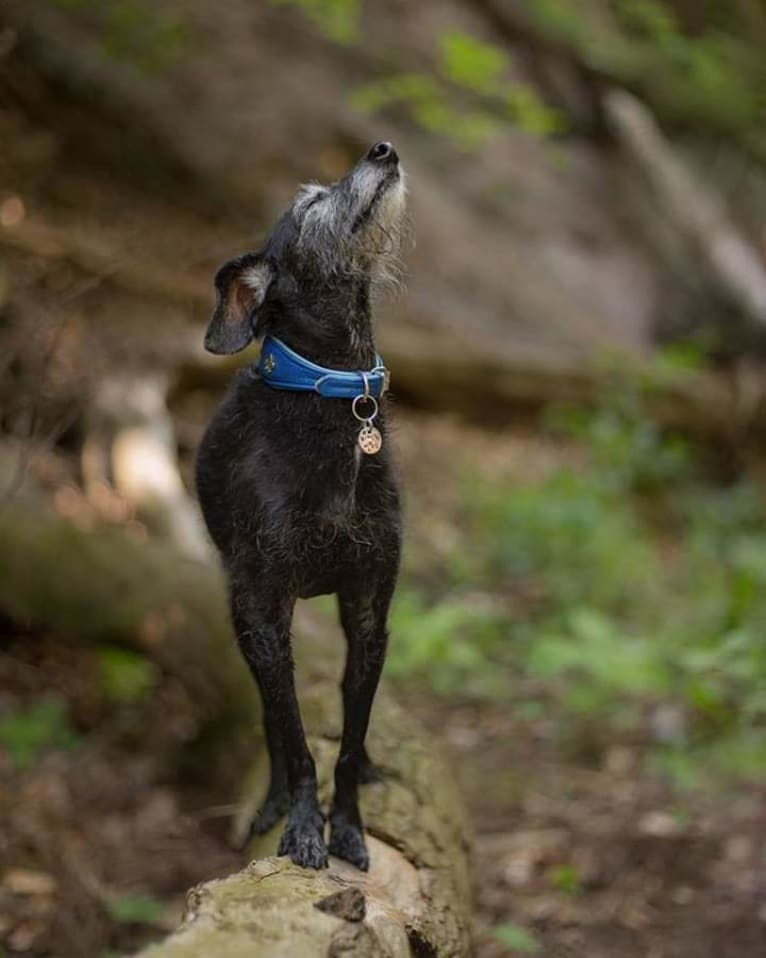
(100, 585)
(414, 901)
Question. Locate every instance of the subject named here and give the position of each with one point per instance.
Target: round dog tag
(370, 440)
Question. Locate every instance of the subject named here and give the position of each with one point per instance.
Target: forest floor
(592, 858)
(577, 851)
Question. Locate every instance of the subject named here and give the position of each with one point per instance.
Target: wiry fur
(355, 226)
(292, 506)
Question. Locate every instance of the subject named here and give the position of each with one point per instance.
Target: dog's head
(332, 241)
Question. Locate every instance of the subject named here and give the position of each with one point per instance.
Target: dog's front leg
(262, 622)
(363, 618)
(277, 799)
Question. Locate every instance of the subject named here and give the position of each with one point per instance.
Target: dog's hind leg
(262, 622)
(363, 618)
(368, 770)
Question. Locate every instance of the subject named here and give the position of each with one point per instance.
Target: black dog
(297, 492)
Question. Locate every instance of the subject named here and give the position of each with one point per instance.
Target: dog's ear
(240, 286)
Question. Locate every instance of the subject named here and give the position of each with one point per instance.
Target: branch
(691, 205)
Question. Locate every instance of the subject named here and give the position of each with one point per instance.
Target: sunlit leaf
(136, 909)
(516, 938)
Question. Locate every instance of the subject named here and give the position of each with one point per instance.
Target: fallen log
(414, 901)
(130, 445)
(99, 585)
(445, 373)
(275, 909)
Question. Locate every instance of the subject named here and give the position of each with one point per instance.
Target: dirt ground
(598, 860)
(580, 848)
(85, 828)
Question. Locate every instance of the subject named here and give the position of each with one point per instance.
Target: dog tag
(370, 440)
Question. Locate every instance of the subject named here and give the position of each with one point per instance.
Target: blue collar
(283, 368)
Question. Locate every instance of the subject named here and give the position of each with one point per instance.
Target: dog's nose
(382, 152)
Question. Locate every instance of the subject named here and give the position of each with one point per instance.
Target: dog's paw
(274, 807)
(347, 842)
(304, 842)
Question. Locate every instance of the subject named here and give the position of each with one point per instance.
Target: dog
(295, 478)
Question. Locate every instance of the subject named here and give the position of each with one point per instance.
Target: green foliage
(137, 31)
(565, 878)
(336, 19)
(26, 734)
(618, 587)
(516, 938)
(426, 101)
(604, 665)
(714, 76)
(467, 98)
(136, 909)
(449, 642)
(628, 450)
(562, 535)
(126, 677)
(738, 755)
(472, 64)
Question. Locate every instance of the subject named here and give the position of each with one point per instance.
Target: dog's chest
(339, 497)
(309, 495)
(334, 504)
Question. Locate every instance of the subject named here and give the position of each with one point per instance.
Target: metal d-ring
(367, 397)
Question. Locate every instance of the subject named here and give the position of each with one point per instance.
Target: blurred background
(577, 369)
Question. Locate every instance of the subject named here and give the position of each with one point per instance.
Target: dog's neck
(340, 336)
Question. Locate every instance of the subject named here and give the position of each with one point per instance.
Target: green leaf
(470, 63)
(516, 938)
(126, 677)
(136, 909)
(565, 878)
(336, 19)
(26, 734)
